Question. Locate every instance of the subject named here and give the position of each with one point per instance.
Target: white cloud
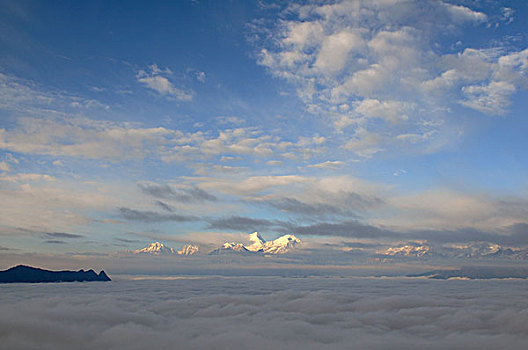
(335, 50)
(201, 77)
(393, 111)
(507, 15)
(22, 177)
(493, 98)
(329, 164)
(82, 137)
(274, 162)
(11, 159)
(114, 141)
(414, 138)
(365, 144)
(462, 13)
(156, 79)
(4, 166)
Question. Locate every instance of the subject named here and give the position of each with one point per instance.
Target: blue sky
(199, 121)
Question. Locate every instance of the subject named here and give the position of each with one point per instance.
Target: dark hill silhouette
(28, 274)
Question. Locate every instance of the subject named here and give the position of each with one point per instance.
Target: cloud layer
(266, 313)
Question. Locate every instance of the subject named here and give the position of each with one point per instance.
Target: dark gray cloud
(349, 228)
(344, 204)
(361, 245)
(266, 313)
(124, 240)
(516, 235)
(185, 195)
(54, 241)
(512, 207)
(62, 235)
(164, 206)
(294, 206)
(151, 216)
(4, 248)
(240, 223)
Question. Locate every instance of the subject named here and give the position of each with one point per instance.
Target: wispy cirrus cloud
(28, 98)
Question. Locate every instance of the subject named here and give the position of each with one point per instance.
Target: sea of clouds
(266, 313)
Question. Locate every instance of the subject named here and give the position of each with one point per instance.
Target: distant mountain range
(473, 250)
(28, 274)
(281, 245)
(476, 272)
(158, 248)
(410, 251)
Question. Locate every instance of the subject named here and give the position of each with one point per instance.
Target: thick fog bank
(266, 313)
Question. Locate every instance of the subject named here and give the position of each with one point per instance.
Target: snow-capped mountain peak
(156, 248)
(188, 249)
(257, 242)
(230, 247)
(281, 245)
(237, 247)
(411, 249)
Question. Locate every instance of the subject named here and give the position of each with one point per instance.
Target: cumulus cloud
(375, 68)
(264, 313)
(493, 98)
(462, 13)
(392, 111)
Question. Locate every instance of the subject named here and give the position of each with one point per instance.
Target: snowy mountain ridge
(472, 250)
(188, 249)
(281, 245)
(160, 249)
(156, 248)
